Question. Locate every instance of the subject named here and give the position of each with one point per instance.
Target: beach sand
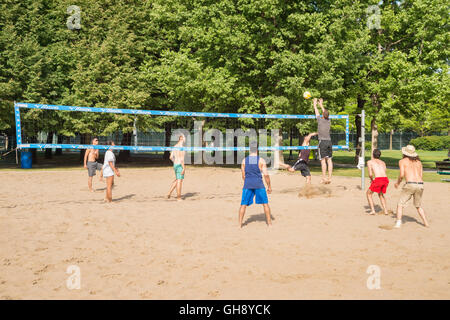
(144, 246)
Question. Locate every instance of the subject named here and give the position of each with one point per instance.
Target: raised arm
(315, 107)
(321, 105)
(263, 167)
(308, 138)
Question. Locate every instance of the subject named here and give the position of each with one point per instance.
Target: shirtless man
(177, 157)
(410, 169)
(380, 183)
(302, 161)
(325, 146)
(91, 164)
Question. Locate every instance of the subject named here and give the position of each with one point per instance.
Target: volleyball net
(42, 126)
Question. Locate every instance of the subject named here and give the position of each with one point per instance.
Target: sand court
(144, 246)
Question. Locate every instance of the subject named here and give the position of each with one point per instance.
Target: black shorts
(325, 149)
(301, 166)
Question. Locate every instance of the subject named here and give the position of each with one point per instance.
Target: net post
(347, 132)
(18, 131)
(363, 146)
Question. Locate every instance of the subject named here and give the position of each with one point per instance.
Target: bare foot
(179, 199)
(91, 190)
(291, 169)
(323, 181)
(372, 213)
(168, 196)
(328, 181)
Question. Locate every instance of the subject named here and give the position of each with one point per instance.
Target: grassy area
(70, 161)
(392, 174)
(391, 157)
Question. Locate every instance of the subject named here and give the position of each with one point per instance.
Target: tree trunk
(373, 123)
(278, 156)
(58, 152)
(84, 139)
(48, 151)
(290, 142)
(374, 129)
(34, 159)
(360, 106)
(124, 155)
(390, 139)
(168, 135)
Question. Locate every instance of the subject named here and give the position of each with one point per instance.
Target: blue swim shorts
(249, 194)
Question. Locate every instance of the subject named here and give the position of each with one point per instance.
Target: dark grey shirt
(323, 128)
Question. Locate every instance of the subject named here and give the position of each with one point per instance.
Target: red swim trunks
(379, 185)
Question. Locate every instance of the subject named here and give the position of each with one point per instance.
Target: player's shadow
(256, 218)
(411, 219)
(376, 207)
(190, 195)
(128, 196)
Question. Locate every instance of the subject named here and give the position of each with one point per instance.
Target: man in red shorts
(379, 185)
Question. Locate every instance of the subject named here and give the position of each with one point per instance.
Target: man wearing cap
(410, 169)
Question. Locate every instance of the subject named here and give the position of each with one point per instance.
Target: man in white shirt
(109, 169)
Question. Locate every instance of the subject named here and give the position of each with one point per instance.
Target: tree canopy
(249, 56)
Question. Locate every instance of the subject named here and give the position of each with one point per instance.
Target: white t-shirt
(107, 170)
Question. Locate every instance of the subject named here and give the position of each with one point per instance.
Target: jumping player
(410, 169)
(252, 168)
(109, 169)
(177, 157)
(302, 161)
(379, 179)
(325, 145)
(91, 164)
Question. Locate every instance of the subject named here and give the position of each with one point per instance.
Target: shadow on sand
(257, 217)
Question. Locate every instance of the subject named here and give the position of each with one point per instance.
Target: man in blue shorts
(253, 167)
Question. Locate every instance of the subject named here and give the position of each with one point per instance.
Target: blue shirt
(253, 176)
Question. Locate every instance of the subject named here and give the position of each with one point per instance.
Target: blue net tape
(163, 113)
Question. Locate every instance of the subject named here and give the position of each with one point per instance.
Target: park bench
(443, 167)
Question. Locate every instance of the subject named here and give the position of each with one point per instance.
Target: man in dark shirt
(325, 146)
(302, 161)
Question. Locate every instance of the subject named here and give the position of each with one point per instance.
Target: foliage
(431, 143)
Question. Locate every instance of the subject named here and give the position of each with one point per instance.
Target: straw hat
(409, 151)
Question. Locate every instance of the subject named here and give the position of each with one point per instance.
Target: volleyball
(307, 95)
